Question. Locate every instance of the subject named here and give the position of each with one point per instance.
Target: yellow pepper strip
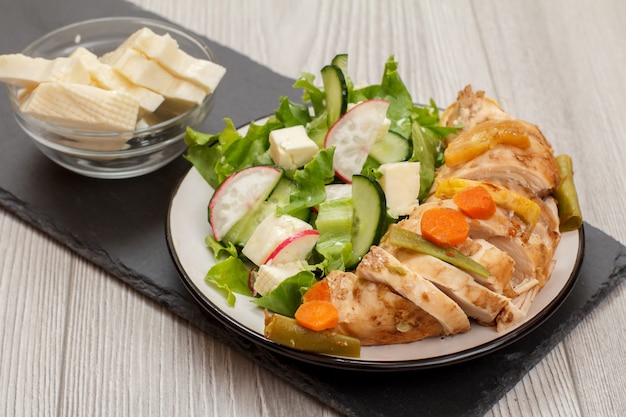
(484, 136)
(566, 196)
(523, 207)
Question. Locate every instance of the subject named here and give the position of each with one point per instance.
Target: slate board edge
(98, 256)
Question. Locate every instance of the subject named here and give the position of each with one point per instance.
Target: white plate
(188, 226)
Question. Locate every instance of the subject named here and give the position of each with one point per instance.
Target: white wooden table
(75, 341)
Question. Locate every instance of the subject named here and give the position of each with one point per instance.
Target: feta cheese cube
(291, 147)
(401, 184)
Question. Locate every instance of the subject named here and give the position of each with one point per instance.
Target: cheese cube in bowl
(112, 97)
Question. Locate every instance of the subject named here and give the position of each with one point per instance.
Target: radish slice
(274, 232)
(295, 248)
(353, 136)
(238, 194)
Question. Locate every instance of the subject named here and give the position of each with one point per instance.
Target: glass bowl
(120, 154)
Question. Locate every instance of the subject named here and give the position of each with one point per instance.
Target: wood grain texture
(76, 341)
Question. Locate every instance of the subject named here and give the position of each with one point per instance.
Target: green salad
(311, 188)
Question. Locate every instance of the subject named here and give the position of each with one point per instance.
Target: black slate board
(120, 226)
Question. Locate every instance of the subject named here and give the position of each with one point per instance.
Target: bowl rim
(13, 90)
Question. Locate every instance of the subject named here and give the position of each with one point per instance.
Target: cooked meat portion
(547, 230)
(373, 313)
(524, 274)
(533, 167)
(499, 263)
(509, 316)
(471, 108)
(380, 266)
(502, 223)
(399, 295)
(509, 237)
(477, 301)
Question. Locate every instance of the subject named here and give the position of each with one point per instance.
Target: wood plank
(555, 74)
(35, 283)
(76, 341)
(128, 356)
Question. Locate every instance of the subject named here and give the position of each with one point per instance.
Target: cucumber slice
(341, 61)
(334, 222)
(369, 215)
(243, 229)
(336, 92)
(392, 147)
(281, 196)
(335, 216)
(281, 193)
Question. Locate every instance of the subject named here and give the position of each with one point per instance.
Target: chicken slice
(533, 167)
(471, 108)
(477, 301)
(509, 316)
(376, 315)
(502, 223)
(380, 266)
(499, 264)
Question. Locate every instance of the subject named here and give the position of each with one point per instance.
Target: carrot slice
(317, 315)
(444, 226)
(475, 202)
(318, 291)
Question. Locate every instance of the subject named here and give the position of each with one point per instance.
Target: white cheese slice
(150, 74)
(270, 233)
(82, 107)
(104, 76)
(165, 50)
(28, 72)
(337, 191)
(271, 276)
(401, 183)
(291, 147)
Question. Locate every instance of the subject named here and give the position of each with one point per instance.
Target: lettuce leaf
(203, 154)
(229, 276)
(218, 156)
(310, 183)
(220, 251)
(425, 145)
(287, 297)
(393, 89)
(292, 114)
(310, 92)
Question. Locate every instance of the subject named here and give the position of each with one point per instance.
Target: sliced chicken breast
(477, 301)
(499, 263)
(376, 315)
(471, 108)
(380, 266)
(533, 167)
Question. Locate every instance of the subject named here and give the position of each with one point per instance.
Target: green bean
(567, 198)
(287, 332)
(410, 240)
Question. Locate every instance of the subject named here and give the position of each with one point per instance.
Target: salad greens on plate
(288, 212)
